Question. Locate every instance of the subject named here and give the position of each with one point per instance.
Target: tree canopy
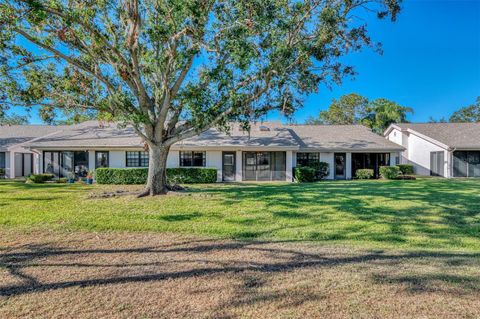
(356, 109)
(174, 68)
(348, 109)
(469, 113)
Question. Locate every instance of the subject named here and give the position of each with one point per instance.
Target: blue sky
(430, 62)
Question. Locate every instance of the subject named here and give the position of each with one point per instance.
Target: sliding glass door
(264, 166)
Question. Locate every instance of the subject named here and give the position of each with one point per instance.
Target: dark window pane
(101, 159)
(306, 159)
(185, 159)
(198, 158)
(2, 160)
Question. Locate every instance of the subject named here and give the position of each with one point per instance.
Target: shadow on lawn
(197, 259)
(446, 208)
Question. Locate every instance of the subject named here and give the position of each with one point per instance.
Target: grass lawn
(352, 249)
(423, 214)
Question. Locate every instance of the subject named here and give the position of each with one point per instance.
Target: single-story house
(268, 152)
(14, 158)
(439, 149)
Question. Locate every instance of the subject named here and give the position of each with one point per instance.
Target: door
(228, 166)
(264, 172)
(437, 164)
(340, 165)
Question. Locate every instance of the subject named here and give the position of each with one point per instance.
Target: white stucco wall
(328, 158)
(400, 138)
(239, 167)
(419, 155)
(117, 159)
(348, 173)
(7, 164)
(289, 166)
(214, 159)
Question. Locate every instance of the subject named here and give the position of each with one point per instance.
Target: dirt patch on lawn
(125, 275)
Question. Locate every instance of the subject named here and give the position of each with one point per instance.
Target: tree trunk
(157, 171)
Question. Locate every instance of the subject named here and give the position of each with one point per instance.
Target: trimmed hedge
(365, 173)
(192, 175)
(305, 174)
(389, 172)
(182, 175)
(406, 169)
(40, 178)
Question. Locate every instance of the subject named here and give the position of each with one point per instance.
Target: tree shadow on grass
(444, 212)
(276, 258)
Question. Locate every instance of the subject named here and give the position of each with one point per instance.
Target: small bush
(2, 173)
(128, 176)
(62, 180)
(40, 178)
(305, 174)
(365, 173)
(406, 177)
(389, 172)
(406, 169)
(321, 170)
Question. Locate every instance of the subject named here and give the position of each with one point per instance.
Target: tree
(382, 112)
(356, 109)
(12, 119)
(431, 119)
(469, 113)
(175, 68)
(348, 109)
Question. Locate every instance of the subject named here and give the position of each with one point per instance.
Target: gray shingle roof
(454, 135)
(341, 138)
(11, 135)
(277, 135)
(262, 135)
(90, 134)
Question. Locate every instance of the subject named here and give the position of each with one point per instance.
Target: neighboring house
(268, 152)
(439, 149)
(14, 158)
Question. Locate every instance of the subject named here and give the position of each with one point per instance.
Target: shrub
(389, 172)
(406, 169)
(406, 177)
(2, 172)
(321, 170)
(181, 175)
(192, 175)
(305, 174)
(62, 180)
(40, 178)
(365, 173)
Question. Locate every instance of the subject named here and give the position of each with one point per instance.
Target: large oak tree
(174, 68)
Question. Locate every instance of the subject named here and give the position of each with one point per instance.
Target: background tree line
(378, 114)
(356, 109)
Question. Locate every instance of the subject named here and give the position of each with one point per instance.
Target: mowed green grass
(436, 214)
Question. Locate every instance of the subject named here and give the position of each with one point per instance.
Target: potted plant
(71, 177)
(90, 177)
